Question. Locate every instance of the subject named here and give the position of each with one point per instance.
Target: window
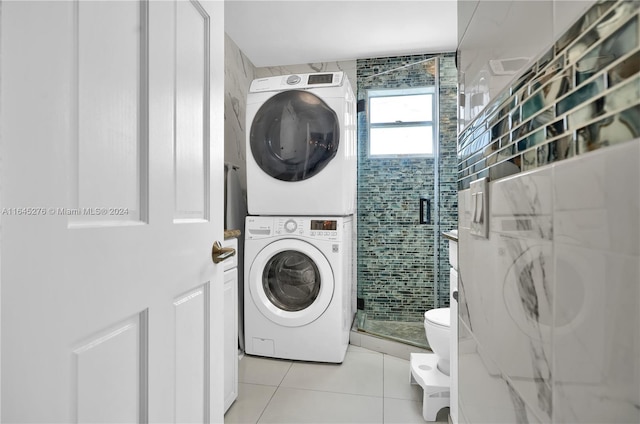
(401, 122)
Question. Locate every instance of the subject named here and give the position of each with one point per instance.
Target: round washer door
(294, 135)
(291, 282)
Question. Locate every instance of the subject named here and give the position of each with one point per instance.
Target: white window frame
(392, 92)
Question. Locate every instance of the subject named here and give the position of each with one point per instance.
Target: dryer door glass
(294, 135)
(291, 281)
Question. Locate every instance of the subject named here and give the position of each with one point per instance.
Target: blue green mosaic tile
(581, 95)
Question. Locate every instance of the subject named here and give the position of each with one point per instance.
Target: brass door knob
(219, 253)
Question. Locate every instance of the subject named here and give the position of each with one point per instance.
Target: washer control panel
(290, 226)
(256, 228)
(315, 228)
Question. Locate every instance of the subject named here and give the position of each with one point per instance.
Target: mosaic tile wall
(395, 251)
(582, 94)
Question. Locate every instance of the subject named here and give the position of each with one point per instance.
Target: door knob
(219, 253)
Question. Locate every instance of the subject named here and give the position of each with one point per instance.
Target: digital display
(320, 79)
(328, 225)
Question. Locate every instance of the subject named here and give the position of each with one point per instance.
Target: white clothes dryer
(298, 281)
(301, 145)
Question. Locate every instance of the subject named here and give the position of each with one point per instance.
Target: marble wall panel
(238, 74)
(491, 396)
(521, 233)
(551, 301)
(596, 201)
(597, 256)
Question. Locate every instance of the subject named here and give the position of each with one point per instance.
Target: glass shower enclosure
(406, 196)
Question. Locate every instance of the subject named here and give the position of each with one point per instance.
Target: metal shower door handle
(425, 210)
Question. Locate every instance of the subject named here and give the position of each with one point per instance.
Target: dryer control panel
(297, 81)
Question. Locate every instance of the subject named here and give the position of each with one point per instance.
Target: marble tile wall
(238, 74)
(549, 304)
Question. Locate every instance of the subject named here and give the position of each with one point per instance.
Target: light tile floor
(368, 387)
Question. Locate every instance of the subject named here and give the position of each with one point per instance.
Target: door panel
(192, 98)
(192, 355)
(230, 337)
(111, 80)
(116, 316)
(116, 358)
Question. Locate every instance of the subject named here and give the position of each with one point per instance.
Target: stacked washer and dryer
(300, 233)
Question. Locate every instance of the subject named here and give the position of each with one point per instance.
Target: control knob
(293, 79)
(290, 226)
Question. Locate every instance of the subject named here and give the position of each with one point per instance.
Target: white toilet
(436, 325)
(431, 370)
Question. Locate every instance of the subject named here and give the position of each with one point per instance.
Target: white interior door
(111, 126)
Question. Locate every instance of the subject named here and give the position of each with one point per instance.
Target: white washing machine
(301, 145)
(298, 281)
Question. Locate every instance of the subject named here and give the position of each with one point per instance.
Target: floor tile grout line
(279, 386)
(258, 384)
(329, 391)
(384, 365)
(384, 362)
(275, 391)
(267, 405)
(285, 373)
(324, 391)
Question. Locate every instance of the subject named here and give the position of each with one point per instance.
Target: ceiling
(272, 33)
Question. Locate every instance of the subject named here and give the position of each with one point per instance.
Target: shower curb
(382, 345)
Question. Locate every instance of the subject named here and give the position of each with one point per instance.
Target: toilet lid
(440, 316)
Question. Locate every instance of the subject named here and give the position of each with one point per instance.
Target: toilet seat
(440, 317)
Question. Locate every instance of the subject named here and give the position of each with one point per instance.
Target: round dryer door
(291, 282)
(294, 135)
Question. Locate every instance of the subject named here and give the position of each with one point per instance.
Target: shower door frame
(436, 195)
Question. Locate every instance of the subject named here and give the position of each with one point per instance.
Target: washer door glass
(294, 135)
(291, 281)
